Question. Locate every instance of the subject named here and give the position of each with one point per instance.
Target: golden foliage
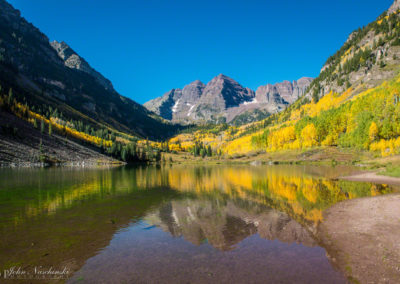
(373, 131)
(63, 129)
(309, 136)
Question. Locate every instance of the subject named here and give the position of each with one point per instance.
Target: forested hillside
(28, 137)
(52, 101)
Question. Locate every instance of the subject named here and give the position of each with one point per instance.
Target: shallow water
(179, 224)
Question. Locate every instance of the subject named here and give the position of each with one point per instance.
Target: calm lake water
(178, 224)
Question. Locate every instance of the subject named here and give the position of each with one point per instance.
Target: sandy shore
(372, 177)
(362, 238)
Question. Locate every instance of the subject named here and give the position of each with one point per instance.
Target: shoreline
(83, 164)
(361, 238)
(372, 177)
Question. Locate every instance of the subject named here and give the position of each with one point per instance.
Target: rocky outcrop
(224, 99)
(73, 60)
(283, 93)
(395, 7)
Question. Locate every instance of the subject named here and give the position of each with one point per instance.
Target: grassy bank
(365, 160)
(317, 155)
(391, 172)
(388, 166)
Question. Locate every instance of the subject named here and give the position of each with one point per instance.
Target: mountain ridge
(74, 61)
(223, 100)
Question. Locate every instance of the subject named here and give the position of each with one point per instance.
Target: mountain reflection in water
(224, 224)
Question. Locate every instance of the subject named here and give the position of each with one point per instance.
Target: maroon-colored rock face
(224, 98)
(285, 92)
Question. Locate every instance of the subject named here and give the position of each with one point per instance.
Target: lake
(171, 224)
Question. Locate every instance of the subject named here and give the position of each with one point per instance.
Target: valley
(296, 181)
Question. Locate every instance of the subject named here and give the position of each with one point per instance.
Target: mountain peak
(224, 77)
(197, 83)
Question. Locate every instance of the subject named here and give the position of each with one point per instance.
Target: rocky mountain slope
(48, 74)
(23, 145)
(367, 58)
(73, 60)
(225, 100)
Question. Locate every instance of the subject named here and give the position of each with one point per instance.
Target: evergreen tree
(123, 154)
(316, 92)
(41, 150)
(158, 155)
(113, 150)
(42, 126)
(348, 84)
(10, 97)
(209, 151)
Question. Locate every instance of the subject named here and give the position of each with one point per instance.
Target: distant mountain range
(225, 100)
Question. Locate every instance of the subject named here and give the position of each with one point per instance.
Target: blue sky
(148, 47)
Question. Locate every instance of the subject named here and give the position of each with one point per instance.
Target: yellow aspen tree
(373, 132)
(309, 136)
